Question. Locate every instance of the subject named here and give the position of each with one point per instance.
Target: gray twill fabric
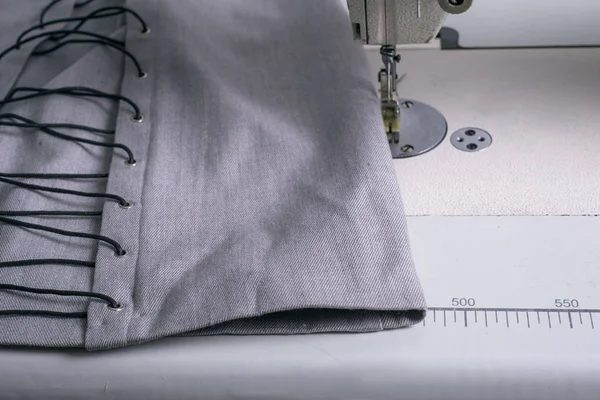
(265, 200)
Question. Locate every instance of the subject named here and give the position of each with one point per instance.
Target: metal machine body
(388, 23)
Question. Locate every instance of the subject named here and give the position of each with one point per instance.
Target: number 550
(566, 303)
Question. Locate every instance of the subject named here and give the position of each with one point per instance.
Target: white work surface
(509, 229)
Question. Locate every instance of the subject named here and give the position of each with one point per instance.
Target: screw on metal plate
(471, 139)
(407, 149)
(422, 129)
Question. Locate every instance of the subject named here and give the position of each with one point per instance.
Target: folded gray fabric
(264, 196)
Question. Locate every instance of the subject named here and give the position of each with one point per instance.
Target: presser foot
(413, 128)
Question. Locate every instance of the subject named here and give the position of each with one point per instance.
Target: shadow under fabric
(264, 196)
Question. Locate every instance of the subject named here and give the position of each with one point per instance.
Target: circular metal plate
(422, 129)
(471, 139)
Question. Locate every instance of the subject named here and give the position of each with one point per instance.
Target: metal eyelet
(146, 31)
(137, 118)
(144, 75)
(118, 307)
(126, 206)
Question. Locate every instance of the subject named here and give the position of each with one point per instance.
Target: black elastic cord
(71, 293)
(47, 34)
(42, 313)
(138, 67)
(46, 9)
(121, 200)
(106, 12)
(55, 176)
(28, 123)
(101, 39)
(80, 91)
(47, 261)
(78, 127)
(83, 3)
(118, 248)
(51, 213)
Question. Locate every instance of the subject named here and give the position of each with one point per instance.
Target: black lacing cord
(47, 8)
(141, 73)
(28, 123)
(47, 261)
(122, 202)
(42, 213)
(83, 3)
(43, 313)
(80, 91)
(54, 2)
(55, 176)
(100, 39)
(50, 214)
(106, 12)
(47, 34)
(119, 251)
(112, 303)
(50, 129)
(78, 127)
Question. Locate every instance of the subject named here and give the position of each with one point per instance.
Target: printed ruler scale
(513, 317)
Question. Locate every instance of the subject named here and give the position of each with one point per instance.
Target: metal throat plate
(422, 129)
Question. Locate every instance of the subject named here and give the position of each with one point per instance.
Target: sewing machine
(504, 235)
(389, 23)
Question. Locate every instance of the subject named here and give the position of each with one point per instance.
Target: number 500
(463, 302)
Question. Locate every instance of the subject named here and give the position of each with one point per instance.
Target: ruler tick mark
(570, 320)
(516, 313)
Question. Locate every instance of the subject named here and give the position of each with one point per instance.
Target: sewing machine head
(393, 22)
(388, 23)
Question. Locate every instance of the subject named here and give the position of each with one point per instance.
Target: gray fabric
(17, 16)
(264, 195)
(27, 151)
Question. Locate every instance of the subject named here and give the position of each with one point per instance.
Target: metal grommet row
(129, 204)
